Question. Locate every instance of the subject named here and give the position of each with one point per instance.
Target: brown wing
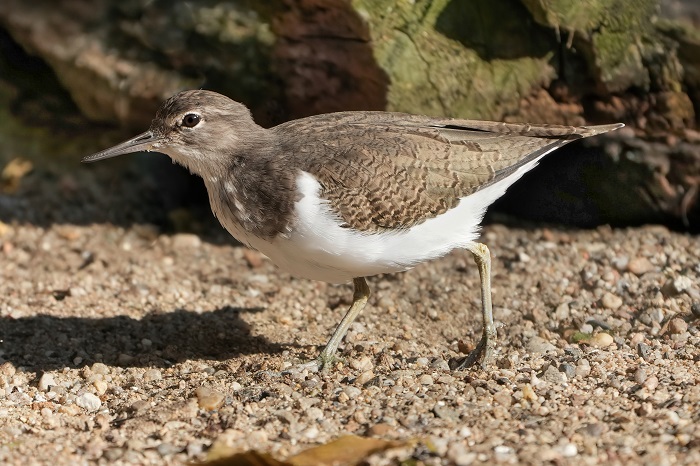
(384, 170)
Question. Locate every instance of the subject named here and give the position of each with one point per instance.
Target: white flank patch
(318, 248)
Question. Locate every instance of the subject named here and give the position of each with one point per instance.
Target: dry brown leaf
(13, 173)
(344, 451)
(248, 458)
(349, 450)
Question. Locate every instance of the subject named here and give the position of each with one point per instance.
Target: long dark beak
(142, 142)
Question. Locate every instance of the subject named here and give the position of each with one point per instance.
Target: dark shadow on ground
(43, 343)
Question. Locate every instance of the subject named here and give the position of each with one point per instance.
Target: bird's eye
(191, 120)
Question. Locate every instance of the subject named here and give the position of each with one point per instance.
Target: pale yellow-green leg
(359, 299)
(484, 350)
(327, 357)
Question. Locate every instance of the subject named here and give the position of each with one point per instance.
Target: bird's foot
(323, 363)
(483, 353)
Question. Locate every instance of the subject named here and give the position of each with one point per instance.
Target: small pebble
(152, 375)
(311, 433)
(538, 345)
(643, 350)
(568, 369)
(426, 379)
(113, 454)
(529, 393)
(70, 410)
(445, 412)
(46, 382)
(140, 406)
(167, 449)
(440, 364)
(640, 266)
(695, 309)
(351, 392)
(503, 453)
(422, 362)
(380, 430)
(186, 241)
(88, 401)
(195, 448)
(99, 368)
(503, 398)
(645, 409)
(574, 351)
(567, 450)
(209, 399)
(562, 312)
(553, 375)
(601, 340)
(640, 375)
(621, 262)
(595, 429)
(364, 377)
(651, 383)
(459, 454)
(676, 286)
(7, 369)
(611, 301)
(677, 326)
(652, 316)
(583, 368)
(314, 413)
(363, 364)
(100, 386)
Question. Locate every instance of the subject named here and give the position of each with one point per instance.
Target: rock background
(77, 75)
(127, 339)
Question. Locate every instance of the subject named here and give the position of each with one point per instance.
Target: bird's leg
(359, 299)
(327, 356)
(484, 350)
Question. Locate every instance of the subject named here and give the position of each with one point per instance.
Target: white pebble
(88, 401)
(186, 241)
(46, 382)
(311, 433)
(568, 450)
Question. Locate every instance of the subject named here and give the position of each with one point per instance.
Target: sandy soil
(128, 345)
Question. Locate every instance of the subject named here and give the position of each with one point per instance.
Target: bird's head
(198, 129)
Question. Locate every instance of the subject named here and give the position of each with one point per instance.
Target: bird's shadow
(42, 342)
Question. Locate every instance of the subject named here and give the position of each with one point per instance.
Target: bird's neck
(253, 193)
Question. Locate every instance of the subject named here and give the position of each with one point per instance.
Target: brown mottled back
(384, 170)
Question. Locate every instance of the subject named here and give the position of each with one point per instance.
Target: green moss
(619, 61)
(581, 336)
(618, 38)
(570, 15)
(472, 59)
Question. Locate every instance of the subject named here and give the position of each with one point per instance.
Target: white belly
(318, 248)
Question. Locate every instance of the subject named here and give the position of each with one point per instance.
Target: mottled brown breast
(384, 170)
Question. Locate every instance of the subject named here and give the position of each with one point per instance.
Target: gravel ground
(126, 345)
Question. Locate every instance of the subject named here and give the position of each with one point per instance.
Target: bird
(343, 196)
